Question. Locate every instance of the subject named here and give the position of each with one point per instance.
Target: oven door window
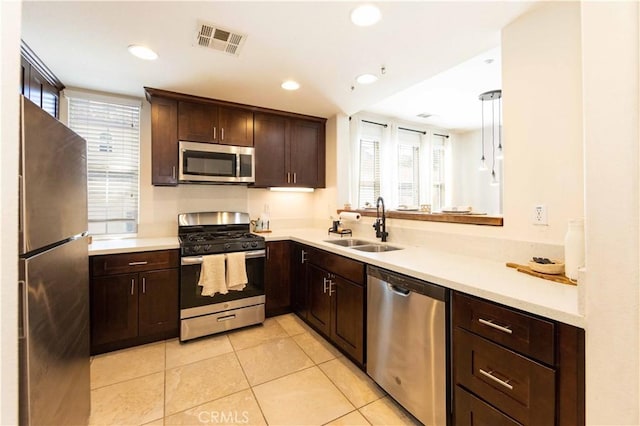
(190, 291)
(209, 163)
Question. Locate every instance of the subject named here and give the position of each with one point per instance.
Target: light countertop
(129, 245)
(480, 277)
(476, 276)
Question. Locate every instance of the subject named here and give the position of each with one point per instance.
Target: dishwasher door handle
(398, 290)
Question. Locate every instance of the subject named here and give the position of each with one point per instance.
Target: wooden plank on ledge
(470, 219)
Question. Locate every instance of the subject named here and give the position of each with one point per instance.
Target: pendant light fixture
(492, 96)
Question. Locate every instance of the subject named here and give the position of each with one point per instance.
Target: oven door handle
(197, 260)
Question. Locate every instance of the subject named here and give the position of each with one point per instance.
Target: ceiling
(85, 44)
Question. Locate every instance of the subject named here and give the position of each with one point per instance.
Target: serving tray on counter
(527, 270)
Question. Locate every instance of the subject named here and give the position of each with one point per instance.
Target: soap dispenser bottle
(265, 217)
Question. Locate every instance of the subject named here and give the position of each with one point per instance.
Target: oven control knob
(196, 249)
(245, 245)
(227, 246)
(254, 244)
(207, 247)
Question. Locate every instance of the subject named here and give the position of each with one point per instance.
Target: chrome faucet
(380, 224)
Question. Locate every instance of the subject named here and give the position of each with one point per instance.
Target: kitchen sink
(376, 248)
(350, 242)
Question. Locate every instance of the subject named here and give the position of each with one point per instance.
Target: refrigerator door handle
(22, 310)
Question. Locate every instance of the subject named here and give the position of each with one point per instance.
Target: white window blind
(438, 176)
(112, 132)
(369, 184)
(408, 168)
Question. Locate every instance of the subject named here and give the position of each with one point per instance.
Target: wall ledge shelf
(469, 219)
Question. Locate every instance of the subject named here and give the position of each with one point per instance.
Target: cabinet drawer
(345, 267)
(523, 333)
(517, 386)
(472, 411)
(110, 264)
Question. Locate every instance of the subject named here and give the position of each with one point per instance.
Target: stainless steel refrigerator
(54, 272)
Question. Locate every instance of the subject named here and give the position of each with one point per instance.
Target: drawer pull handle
(226, 318)
(137, 263)
(490, 323)
(495, 379)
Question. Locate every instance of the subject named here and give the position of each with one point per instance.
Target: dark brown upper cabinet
(289, 151)
(289, 147)
(201, 122)
(38, 83)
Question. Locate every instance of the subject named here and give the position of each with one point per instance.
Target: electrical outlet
(540, 215)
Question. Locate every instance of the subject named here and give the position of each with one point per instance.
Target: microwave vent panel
(215, 37)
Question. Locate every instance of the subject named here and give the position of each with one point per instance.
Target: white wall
(542, 111)
(10, 13)
(611, 50)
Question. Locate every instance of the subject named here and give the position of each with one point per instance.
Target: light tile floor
(279, 373)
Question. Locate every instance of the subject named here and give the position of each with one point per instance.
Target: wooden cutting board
(527, 270)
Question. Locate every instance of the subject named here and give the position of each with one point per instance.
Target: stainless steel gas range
(211, 233)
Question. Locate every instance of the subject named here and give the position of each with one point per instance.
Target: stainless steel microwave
(212, 163)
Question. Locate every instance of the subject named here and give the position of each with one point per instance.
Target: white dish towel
(212, 275)
(236, 271)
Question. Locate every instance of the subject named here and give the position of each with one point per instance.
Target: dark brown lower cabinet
(347, 321)
(114, 308)
(336, 305)
(319, 302)
(129, 309)
(473, 411)
(277, 279)
(514, 368)
(157, 297)
(298, 277)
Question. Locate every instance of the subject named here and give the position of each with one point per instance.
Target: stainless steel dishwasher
(407, 335)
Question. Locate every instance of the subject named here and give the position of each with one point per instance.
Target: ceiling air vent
(424, 115)
(215, 37)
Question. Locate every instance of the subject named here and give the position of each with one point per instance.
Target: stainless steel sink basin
(349, 242)
(376, 248)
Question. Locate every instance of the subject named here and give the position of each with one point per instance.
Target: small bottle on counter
(574, 256)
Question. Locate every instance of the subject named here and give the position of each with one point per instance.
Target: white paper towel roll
(350, 216)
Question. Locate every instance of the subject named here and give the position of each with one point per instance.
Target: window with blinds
(369, 182)
(112, 132)
(408, 169)
(437, 173)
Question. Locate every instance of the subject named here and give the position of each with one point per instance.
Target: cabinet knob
(222, 133)
(214, 133)
(133, 284)
(144, 285)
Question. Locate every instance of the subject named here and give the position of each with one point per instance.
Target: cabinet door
(198, 122)
(236, 126)
(319, 302)
(114, 308)
(276, 280)
(299, 287)
(158, 304)
(306, 153)
(164, 142)
(471, 411)
(271, 135)
(347, 322)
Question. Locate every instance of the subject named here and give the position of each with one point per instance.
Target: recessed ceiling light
(142, 52)
(366, 79)
(290, 85)
(365, 15)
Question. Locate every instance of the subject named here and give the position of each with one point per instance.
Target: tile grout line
(250, 387)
